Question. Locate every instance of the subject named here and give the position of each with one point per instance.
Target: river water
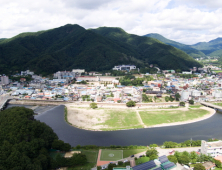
(54, 117)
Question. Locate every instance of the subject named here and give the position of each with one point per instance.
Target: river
(208, 128)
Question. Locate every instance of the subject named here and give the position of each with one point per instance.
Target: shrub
(130, 104)
(93, 105)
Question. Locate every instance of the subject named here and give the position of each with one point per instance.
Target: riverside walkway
(211, 105)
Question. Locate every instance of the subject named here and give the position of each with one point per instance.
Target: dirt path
(139, 118)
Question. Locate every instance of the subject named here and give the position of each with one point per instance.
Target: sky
(185, 21)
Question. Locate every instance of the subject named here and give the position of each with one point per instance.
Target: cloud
(187, 21)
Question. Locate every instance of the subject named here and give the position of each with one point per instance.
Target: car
(141, 156)
(132, 156)
(126, 160)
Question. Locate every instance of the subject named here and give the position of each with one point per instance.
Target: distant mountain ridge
(72, 46)
(193, 52)
(200, 49)
(209, 47)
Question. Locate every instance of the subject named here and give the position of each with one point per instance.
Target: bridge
(3, 101)
(211, 105)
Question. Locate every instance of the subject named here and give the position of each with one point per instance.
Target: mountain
(209, 47)
(150, 49)
(72, 46)
(195, 53)
(1, 39)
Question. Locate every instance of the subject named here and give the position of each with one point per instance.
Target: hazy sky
(185, 21)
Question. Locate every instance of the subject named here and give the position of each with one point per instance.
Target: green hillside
(209, 47)
(217, 53)
(63, 48)
(151, 50)
(72, 46)
(186, 48)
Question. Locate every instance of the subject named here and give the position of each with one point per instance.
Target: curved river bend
(209, 128)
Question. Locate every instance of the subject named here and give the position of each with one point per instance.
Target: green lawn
(88, 166)
(111, 155)
(91, 155)
(217, 71)
(218, 104)
(158, 117)
(142, 160)
(121, 119)
(129, 152)
(195, 106)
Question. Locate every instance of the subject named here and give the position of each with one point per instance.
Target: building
(27, 72)
(79, 71)
(212, 148)
(124, 67)
(64, 75)
(4, 80)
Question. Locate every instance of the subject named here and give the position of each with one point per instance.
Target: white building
(124, 67)
(27, 72)
(185, 95)
(4, 80)
(212, 148)
(79, 71)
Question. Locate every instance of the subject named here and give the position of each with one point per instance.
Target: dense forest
(25, 143)
(151, 50)
(72, 46)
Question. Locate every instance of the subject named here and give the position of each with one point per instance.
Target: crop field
(111, 155)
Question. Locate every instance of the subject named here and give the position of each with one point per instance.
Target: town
(199, 84)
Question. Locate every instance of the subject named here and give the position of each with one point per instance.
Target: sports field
(111, 155)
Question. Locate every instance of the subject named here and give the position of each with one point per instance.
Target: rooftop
(215, 144)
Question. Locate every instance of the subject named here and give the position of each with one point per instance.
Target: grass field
(91, 155)
(129, 152)
(121, 119)
(195, 106)
(87, 166)
(158, 117)
(217, 71)
(142, 160)
(111, 155)
(218, 104)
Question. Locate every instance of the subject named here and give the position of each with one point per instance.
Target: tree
(152, 153)
(199, 166)
(191, 102)
(172, 158)
(24, 142)
(93, 105)
(177, 96)
(182, 104)
(130, 104)
(183, 159)
(218, 163)
(167, 98)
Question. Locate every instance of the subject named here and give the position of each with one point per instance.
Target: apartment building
(212, 148)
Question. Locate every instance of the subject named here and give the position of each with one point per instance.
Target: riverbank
(122, 119)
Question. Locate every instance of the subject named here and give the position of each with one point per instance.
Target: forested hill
(72, 46)
(195, 53)
(210, 47)
(151, 50)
